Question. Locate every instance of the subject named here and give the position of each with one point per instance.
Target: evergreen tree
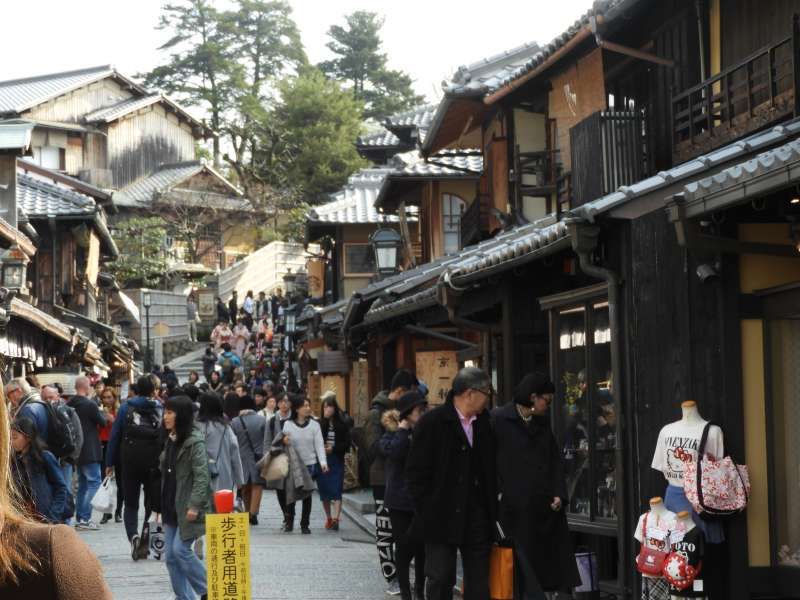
(362, 66)
(142, 260)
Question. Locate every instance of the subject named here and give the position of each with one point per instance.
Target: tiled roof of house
(18, 95)
(168, 177)
(458, 163)
(40, 199)
(488, 74)
(120, 109)
(355, 203)
(416, 117)
(379, 139)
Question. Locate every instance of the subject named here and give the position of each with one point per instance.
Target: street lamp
(289, 283)
(291, 322)
(15, 265)
(147, 302)
(386, 242)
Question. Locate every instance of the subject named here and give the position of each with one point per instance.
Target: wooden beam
(633, 52)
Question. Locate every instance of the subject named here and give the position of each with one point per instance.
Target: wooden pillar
(508, 375)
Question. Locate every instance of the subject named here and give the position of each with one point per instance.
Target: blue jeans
(88, 483)
(187, 573)
(67, 469)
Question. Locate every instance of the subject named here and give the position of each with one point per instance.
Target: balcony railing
(752, 94)
(475, 220)
(608, 150)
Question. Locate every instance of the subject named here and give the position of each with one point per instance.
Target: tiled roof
(115, 111)
(379, 139)
(18, 95)
(490, 73)
(355, 203)
(420, 116)
(168, 177)
(444, 163)
(696, 167)
(39, 199)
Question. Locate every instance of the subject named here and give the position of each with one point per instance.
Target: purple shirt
(466, 424)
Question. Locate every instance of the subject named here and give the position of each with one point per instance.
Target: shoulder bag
(650, 561)
(715, 488)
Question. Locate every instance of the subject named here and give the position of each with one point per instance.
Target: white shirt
(248, 305)
(307, 440)
(677, 445)
(659, 530)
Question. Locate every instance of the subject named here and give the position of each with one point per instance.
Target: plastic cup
(223, 501)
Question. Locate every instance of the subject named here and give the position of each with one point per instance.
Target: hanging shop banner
(228, 556)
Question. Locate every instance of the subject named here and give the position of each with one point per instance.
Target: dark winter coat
(437, 474)
(91, 418)
(373, 431)
(43, 484)
(395, 445)
(341, 431)
(530, 474)
(193, 485)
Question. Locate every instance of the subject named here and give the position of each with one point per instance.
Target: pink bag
(715, 488)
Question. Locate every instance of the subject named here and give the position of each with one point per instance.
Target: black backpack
(141, 435)
(62, 438)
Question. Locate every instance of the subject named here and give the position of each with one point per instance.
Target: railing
(475, 220)
(752, 94)
(607, 150)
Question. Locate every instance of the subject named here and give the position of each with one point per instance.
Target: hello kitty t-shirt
(677, 445)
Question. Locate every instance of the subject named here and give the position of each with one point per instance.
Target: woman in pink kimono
(241, 336)
(222, 334)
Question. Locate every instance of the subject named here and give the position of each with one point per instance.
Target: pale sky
(429, 39)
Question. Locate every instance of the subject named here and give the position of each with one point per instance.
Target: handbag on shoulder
(501, 569)
(649, 560)
(715, 488)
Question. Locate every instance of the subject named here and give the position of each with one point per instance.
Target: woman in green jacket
(185, 498)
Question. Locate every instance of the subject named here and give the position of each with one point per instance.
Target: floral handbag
(715, 488)
(650, 561)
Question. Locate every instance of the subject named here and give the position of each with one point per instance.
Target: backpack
(64, 440)
(141, 435)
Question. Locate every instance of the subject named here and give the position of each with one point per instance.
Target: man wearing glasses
(450, 473)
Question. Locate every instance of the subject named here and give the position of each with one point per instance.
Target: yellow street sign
(228, 556)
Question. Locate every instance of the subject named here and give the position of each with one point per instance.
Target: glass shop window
(452, 207)
(584, 410)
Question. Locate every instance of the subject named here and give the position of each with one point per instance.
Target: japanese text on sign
(228, 558)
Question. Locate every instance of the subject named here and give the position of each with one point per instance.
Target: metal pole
(147, 356)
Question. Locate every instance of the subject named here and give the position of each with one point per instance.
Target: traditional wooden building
(652, 150)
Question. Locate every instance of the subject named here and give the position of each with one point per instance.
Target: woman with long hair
(38, 560)
(109, 405)
(304, 434)
(249, 428)
(37, 473)
(336, 436)
(224, 463)
(215, 383)
(185, 497)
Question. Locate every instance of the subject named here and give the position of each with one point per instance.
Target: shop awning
(129, 306)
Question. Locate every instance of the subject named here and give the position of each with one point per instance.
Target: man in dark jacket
(233, 307)
(450, 475)
(28, 403)
(533, 490)
(222, 312)
(136, 434)
(403, 381)
(91, 456)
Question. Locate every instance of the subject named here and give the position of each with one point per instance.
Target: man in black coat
(533, 490)
(450, 475)
(91, 455)
(233, 307)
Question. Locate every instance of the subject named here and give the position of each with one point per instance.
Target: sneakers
(135, 547)
(288, 527)
(394, 588)
(117, 519)
(106, 518)
(86, 526)
(305, 530)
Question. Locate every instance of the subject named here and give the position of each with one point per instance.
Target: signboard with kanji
(437, 370)
(228, 556)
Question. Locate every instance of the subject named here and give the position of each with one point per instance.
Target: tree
(318, 122)
(142, 260)
(360, 63)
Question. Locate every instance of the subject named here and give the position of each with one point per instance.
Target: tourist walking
(137, 438)
(233, 307)
(450, 475)
(249, 308)
(222, 312)
(395, 445)
(221, 335)
(215, 383)
(27, 402)
(224, 462)
(192, 317)
(37, 474)
(249, 428)
(109, 406)
(51, 395)
(209, 362)
(88, 466)
(336, 437)
(305, 436)
(241, 336)
(229, 362)
(534, 490)
(185, 497)
(34, 558)
(403, 381)
(272, 430)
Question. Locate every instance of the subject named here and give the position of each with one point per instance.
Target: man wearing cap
(533, 490)
(450, 475)
(403, 381)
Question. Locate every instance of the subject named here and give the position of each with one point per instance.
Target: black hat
(532, 383)
(403, 378)
(408, 402)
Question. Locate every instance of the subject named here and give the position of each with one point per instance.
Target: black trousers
(281, 494)
(407, 549)
(440, 561)
(384, 538)
(136, 478)
(305, 514)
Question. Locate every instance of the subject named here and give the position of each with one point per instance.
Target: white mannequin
(691, 416)
(684, 521)
(659, 510)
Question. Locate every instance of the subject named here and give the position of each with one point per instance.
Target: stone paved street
(323, 565)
